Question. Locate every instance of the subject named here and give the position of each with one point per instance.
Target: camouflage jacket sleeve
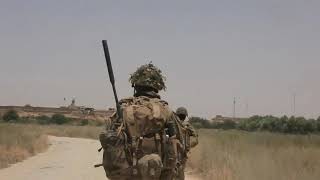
(192, 133)
(190, 129)
(170, 125)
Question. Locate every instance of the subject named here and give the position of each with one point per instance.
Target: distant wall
(222, 119)
(29, 111)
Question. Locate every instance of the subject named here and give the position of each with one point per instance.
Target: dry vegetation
(90, 132)
(237, 155)
(20, 141)
(221, 155)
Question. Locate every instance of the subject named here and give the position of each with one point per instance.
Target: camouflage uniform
(182, 113)
(187, 136)
(143, 145)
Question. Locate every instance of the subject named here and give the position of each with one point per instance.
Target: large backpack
(139, 140)
(144, 116)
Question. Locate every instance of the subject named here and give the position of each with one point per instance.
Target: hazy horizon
(261, 52)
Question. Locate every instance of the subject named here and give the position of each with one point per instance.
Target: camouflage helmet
(182, 111)
(148, 75)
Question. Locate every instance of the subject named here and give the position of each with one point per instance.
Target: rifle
(111, 76)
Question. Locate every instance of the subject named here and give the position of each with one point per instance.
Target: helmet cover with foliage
(148, 75)
(182, 111)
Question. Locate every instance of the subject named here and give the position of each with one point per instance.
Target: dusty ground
(66, 159)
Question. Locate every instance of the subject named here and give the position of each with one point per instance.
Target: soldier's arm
(191, 130)
(193, 133)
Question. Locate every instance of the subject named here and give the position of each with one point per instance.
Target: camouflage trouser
(170, 161)
(180, 173)
(167, 175)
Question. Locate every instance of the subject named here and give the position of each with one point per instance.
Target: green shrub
(206, 123)
(318, 124)
(283, 124)
(26, 120)
(99, 123)
(59, 119)
(200, 122)
(292, 125)
(228, 124)
(11, 115)
(43, 119)
(197, 125)
(84, 122)
(311, 125)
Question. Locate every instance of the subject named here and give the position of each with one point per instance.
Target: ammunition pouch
(115, 158)
(141, 158)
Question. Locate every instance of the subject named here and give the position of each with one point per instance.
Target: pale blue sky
(260, 51)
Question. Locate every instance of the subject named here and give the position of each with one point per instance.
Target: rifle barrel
(111, 75)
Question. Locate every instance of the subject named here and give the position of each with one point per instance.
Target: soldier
(143, 145)
(182, 113)
(189, 135)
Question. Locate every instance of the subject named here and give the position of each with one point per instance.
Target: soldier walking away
(140, 141)
(182, 113)
(188, 138)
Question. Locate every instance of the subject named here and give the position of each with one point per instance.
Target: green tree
(292, 125)
(43, 119)
(242, 124)
(311, 126)
(84, 122)
(284, 121)
(11, 115)
(59, 119)
(197, 125)
(228, 124)
(206, 124)
(199, 122)
(318, 124)
(301, 125)
(267, 123)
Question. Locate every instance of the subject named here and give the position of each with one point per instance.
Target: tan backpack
(144, 116)
(141, 136)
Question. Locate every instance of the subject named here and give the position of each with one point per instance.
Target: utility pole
(247, 109)
(294, 104)
(234, 108)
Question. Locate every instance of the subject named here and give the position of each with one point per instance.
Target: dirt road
(66, 159)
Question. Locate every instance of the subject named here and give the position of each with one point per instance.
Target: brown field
(19, 141)
(236, 155)
(221, 155)
(90, 132)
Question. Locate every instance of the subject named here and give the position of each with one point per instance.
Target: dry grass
(19, 141)
(236, 155)
(220, 155)
(90, 132)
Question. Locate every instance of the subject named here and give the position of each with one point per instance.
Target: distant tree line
(12, 116)
(284, 124)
